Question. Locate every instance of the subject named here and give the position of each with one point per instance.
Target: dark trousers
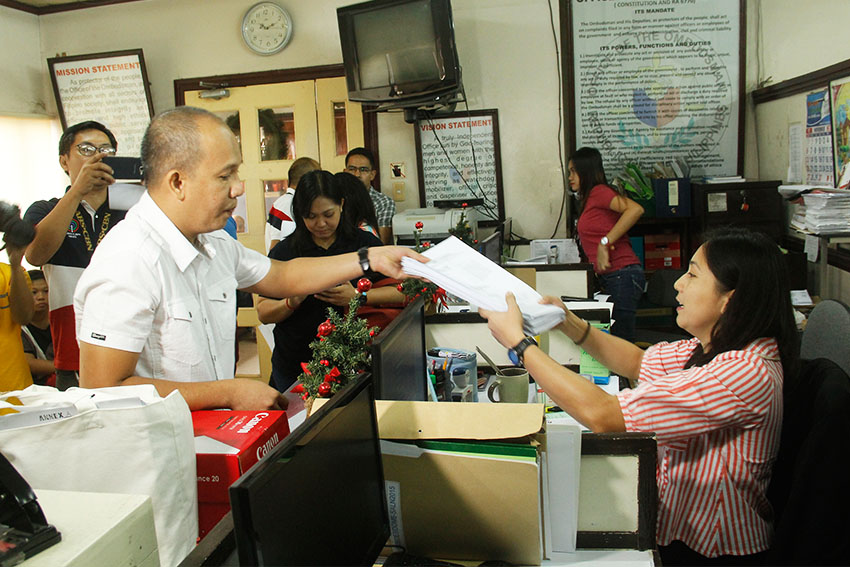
(677, 553)
(625, 286)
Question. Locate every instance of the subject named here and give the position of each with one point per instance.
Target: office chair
(809, 491)
(661, 295)
(826, 332)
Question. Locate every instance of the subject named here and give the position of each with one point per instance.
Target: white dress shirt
(149, 290)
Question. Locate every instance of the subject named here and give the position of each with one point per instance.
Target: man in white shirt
(280, 223)
(157, 303)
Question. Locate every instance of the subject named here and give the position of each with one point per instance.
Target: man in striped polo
(69, 229)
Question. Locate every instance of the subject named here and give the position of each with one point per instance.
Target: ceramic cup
(513, 387)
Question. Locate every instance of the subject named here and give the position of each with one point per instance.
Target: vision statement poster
(658, 79)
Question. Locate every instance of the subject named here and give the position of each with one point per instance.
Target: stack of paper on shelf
(828, 212)
(465, 273)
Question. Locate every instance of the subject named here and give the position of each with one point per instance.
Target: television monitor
(491, 247)
(399, 365)
(399, 53)
(318, 497)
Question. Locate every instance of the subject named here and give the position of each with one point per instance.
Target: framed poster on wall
(653, 81)
(839, 91)
(111, 88)
(459, 158)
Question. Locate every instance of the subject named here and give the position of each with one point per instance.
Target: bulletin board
(458, 158)
(654, 80)
(111, 88)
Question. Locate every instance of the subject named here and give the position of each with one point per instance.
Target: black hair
(751, 265)
(315, 184)
(359, 207)
(35, 275)
(588, 165)
(361, 152)
(71, 132)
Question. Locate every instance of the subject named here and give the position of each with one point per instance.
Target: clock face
(266, 28)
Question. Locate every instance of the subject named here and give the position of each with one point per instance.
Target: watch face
(513, 357)
(266, 28)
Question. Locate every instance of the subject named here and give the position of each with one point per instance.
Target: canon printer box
(227, 444)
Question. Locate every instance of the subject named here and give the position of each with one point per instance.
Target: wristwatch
(604, 241)
(516, 353)
(361, 299)
(363, 258)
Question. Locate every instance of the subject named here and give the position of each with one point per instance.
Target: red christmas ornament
(475, 241)
(364, 285)
(371, 332)
(325, 329)
(426, 244)
(418, 225)
(324, 389)
(333, 375)
(324, 362)
(304, 396)
(400, 287)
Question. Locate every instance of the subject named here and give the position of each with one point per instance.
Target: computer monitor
(399, 364)
(318, 497)
(491, 247)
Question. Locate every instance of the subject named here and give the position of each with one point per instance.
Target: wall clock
(266, 28)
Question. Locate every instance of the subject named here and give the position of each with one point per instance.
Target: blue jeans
(625, 286)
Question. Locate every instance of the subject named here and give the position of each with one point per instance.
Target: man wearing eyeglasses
(360, 162)
(69, 229)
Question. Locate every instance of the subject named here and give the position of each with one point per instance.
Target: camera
(17, 231)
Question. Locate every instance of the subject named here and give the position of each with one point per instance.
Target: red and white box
(662, 251)
(227, 444)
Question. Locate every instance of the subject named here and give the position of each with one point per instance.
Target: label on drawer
(716, 202)
(673, 193)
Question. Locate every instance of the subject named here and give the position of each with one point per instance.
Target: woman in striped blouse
(713, 401)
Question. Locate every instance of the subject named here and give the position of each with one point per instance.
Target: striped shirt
(718, 430)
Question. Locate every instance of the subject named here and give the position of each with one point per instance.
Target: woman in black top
(320, 230)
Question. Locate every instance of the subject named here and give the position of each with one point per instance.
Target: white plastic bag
(125, 440)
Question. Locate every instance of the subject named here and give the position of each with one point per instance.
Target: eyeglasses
(354, 170)
(87, 150)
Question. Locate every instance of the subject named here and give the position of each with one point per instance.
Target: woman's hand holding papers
(506, 326)
(387, 260)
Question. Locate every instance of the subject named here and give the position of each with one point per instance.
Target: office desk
(98, 529)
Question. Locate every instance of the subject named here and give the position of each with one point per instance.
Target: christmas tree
(413, 287)
(340, 351)
(462, 230)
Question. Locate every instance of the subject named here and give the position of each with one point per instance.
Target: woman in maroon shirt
(605, 217)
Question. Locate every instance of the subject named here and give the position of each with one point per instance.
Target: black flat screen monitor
(398, 357)
(491, 247)
(399, 52)
(318, 497)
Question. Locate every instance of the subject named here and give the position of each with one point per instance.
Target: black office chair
(826, 332)
(660, 296)
(809, 491)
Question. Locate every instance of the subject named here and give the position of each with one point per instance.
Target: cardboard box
(227, 444)
(662, 251)
(464, 504)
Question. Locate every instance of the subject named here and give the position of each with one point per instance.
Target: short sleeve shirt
(596, 220)
(384, 207)
(718, 429)
(280, 223)
(149, 290)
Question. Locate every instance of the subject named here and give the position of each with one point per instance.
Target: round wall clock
(266, 28)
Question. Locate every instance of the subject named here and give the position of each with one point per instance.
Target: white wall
(21, 61)
(793, 38)
(506, 50)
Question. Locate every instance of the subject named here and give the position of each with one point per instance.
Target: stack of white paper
(828, 212)
(463, 272)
